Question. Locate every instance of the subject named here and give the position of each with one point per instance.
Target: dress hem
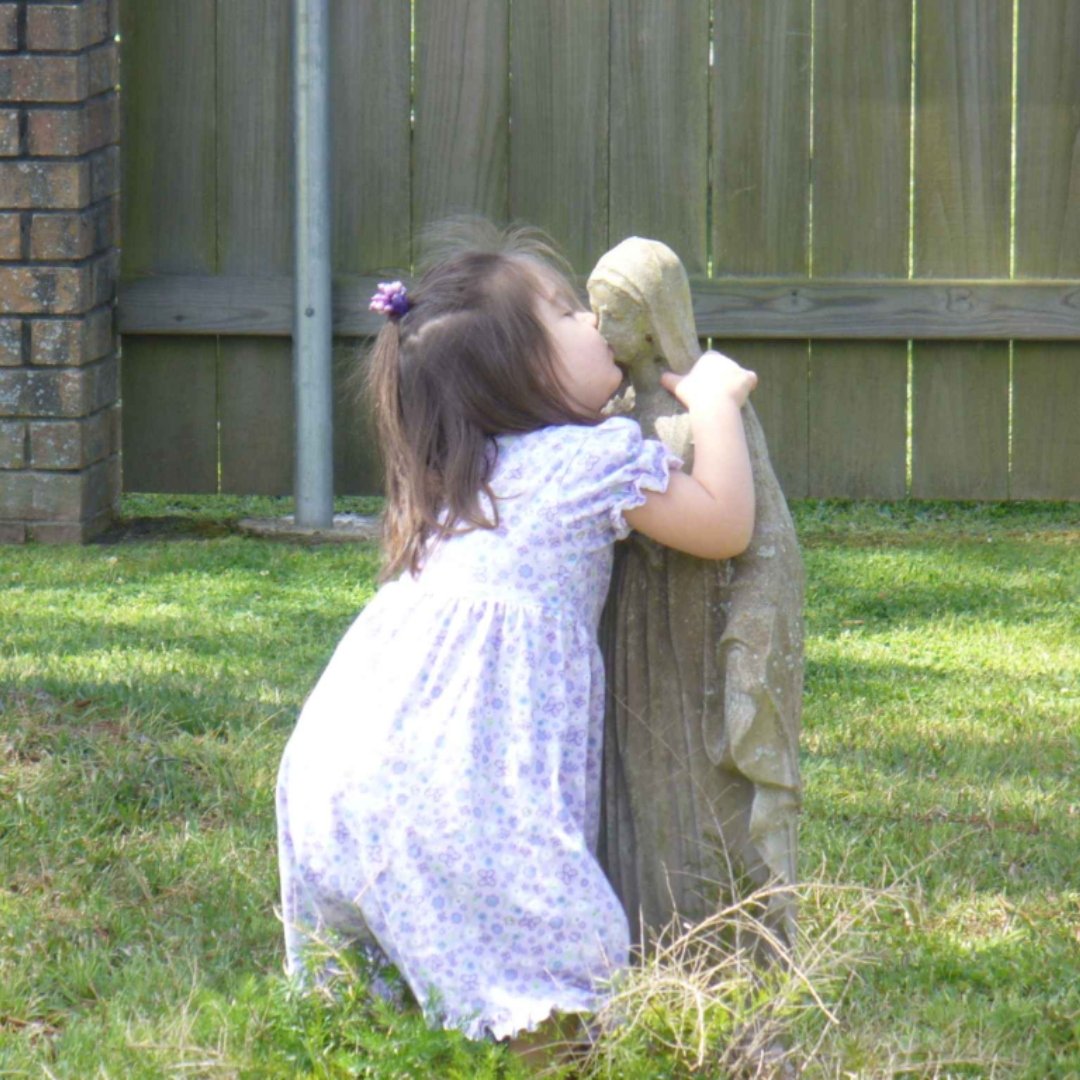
(528, 1022)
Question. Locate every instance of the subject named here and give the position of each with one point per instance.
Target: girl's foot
(559, 1040)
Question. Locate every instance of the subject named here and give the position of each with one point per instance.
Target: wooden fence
(878, 203)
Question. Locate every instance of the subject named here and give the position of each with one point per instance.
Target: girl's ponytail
(383, 394)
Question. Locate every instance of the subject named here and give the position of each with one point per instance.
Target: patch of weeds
(269, 1027)
(701, 1003)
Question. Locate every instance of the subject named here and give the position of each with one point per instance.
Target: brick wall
(59, 183)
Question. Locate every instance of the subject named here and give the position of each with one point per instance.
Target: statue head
(641, 295)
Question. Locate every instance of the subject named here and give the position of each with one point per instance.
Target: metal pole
(314, 485)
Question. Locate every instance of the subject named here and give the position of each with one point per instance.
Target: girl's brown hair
(469, 360)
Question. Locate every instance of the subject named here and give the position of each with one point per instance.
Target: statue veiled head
(641, 295)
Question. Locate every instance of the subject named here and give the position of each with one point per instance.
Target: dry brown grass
(702, 1001)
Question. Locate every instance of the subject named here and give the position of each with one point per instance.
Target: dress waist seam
(503, 597)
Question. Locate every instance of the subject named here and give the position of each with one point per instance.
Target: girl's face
(584, 362)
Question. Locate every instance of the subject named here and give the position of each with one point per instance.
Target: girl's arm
(709, 513)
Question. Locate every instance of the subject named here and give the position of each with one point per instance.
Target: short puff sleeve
(613, 468)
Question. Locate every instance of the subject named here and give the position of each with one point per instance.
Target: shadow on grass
(1020, 584)
(134, 530)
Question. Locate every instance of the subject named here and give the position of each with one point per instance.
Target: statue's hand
(711, 384)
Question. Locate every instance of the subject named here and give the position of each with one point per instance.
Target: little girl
(438, 802)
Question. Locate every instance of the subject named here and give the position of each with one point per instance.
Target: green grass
(942, 740)
(147, 687)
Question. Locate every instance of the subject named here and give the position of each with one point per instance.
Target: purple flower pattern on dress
(439, 799)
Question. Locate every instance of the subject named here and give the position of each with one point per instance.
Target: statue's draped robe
(704, 669)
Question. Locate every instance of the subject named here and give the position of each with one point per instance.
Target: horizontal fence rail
(748, 309)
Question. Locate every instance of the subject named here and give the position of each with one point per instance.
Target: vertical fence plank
(761, 137)
(169, 433)
(357, 464)
(760, 159)
(858, 392)
(461, 135)
(372, 192)
(781, 403)
(659, 124)
(169, 424)
(255, 233)
(369, 118)
(559, 123)
(963, 62)
(1046, 376)
(257, 445)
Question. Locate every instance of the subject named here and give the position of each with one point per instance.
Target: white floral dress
(440, 794)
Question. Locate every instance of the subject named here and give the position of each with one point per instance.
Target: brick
(12, 444)
(61, 235)
(72, 342)
(58, 236)
(54, 496)
(28, 290)
(10, 236)
(11, 342)
(34, 499)
(59, 496)
(115, 414)
(105, 390)
(24, 392)
(70, 444)
(57, 532)
(10, 142)
(57, 393)
(12, 532)
(104, 271)
(113, 477)
(75, 129)
(74, 498)
(16, 494)
(76, 532)
(63, 28)
(58, 290)
(103, 268)
(44, 78)
(104, 173)
(102, 69)
(45, 185)
(9, 27)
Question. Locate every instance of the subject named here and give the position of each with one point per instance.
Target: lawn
(147, 686)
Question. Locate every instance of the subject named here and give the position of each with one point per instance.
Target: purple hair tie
(390, 299)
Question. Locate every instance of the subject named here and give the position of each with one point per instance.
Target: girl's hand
(713, 382)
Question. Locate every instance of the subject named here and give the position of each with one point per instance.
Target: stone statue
(704, 658)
